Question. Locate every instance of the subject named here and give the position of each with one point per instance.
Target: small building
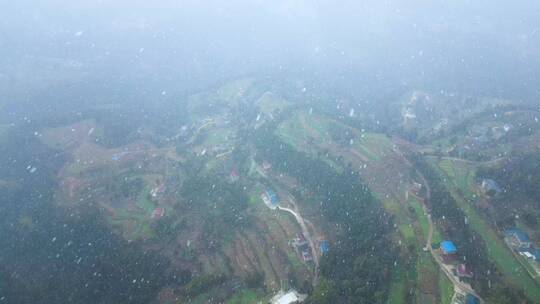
(448, 251)
(463, 271)
(234, 176)
(306, 256)
(471, 299)
(527, 254)
(324, 246)
(490, 187)
(448, 247)
(517, 238)
(299, 241)
(266, 165)
(157, 190)
(158, 213)
(290, 297)
(272, 197)
(416, 187)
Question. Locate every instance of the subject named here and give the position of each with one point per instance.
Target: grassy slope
(428, 272)
(460, 176)
(398, 289)
(246, 296)
(446, 289)
(373, 145)
(423, 220)
(268, 103)
(414, 229)
(293, 132)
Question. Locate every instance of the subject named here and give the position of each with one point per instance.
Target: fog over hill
(252, 151)
(478, 46)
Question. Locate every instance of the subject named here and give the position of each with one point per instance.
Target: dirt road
(305, 231)
(459, 287)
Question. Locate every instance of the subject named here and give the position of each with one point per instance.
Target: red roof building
(159, 212)
(463, 271)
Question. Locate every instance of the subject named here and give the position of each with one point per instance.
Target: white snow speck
(79, 34)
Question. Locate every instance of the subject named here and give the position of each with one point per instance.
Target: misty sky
(490, 47)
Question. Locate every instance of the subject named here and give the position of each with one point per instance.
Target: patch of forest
(471, 247)
(220, 205)
(53, 255)
(519, 180)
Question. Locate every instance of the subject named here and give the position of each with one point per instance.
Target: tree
(323, 293)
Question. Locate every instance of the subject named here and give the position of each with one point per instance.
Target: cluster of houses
(483, 135)
(302, 248)
(520, 242)
(448, 251)
(301, 245)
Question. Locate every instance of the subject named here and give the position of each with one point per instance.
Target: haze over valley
(269, 152)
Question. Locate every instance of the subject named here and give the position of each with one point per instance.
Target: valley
(212, 197)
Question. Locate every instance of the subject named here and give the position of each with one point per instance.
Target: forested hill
(50, 255)
(358, 268)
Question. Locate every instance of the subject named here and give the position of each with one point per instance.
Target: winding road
(305, 231)
(459, 287)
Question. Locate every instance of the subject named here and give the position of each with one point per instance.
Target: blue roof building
(448, 247)
(518, 238)
(518, 234)
(272, 196)
(471, 299)
(324, 246)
